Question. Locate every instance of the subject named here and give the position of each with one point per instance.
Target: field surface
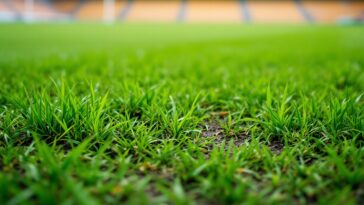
(181, 114)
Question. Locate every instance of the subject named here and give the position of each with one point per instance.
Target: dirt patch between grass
(212, 129)
(276, 147)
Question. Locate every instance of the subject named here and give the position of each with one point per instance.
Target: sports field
(181, 114)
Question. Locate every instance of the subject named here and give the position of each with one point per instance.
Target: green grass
(181, 114)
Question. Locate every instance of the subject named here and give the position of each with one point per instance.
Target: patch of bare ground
(276, 147)
(359, 194)
(212, 130)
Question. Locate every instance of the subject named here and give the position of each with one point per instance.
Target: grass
(181, 114)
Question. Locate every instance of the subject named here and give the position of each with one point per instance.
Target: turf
(181, 114)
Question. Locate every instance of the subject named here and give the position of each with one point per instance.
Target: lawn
(181, 114)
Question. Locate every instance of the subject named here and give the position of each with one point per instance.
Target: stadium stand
(332, 11)
(3, 7)
(94, 10)
(41, 10)
(163, 11)
(357, 8)
(17, 5)
(91, 10)
(213, 11)
(7, 13)
(256, 11)
(38, 6)
(66, 6)
(275, 11)
(328, 11)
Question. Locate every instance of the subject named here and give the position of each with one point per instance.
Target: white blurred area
(29, 11)
(48, 10)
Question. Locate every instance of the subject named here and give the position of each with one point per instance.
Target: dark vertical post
(181, 15)
(245, 13)
(126, 10)
(304, 12)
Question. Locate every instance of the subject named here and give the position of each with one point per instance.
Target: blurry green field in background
(181, 114)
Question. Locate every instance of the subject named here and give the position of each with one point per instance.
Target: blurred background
(214, 11)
